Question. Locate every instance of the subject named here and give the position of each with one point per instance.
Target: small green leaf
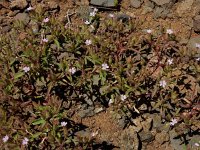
(38, 121)
(36, 135)
(18, 75)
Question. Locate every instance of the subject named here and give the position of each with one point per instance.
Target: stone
(161, 2)
(19, 4)
(162, 137)
(5, 29)
(98, 110)
(184, 7)
(161, 12)
(84, 133)
(192, 42)
(136, 3)
(176, 143)
(22, 17)
(89, 112)
(146, 136)
(104, 3)
(196, 23)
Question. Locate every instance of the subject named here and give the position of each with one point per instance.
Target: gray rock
(86, 112)
(161, 12)
(18, 4)
(162, 137)
(146, 136)
(196, 23)
(84, 133)
(104, 3)
(157, 123)
(5, 29)
(161, 2)
(98, 110)
(22, 17)
(176, 143)
(122, 122)
(192, 42)
(136, 3)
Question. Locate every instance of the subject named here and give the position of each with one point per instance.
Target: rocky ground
(147, 131)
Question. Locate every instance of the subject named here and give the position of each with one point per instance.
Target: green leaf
(36, 135)
(18, 75)
(38, 121)
(95, 80)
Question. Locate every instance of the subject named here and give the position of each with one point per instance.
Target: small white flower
(46, 20)
(87, 22)
(170, 61)
(25, 141)
(197, 45)
(26, 69)
(169, 31)
(173, 122)
(163, 83)
(5, 138)
(72, 70)
(111, 15)
(197, 144)
(88, 42)
(123, 97)
(45, 40)
(92, 14)
(95, 10)
(111, 101)
(104, 66)
(94, 133)
(63, 124)
(149, 31)
(198, 59)
(29, 8)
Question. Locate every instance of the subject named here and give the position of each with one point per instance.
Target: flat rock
(18, 4)
(146, 136)
(196, 23)
(136, 3)
(162, 137)
(22, 17)
(192, 42)
(104, 3)
(161, 2)
(184, 7)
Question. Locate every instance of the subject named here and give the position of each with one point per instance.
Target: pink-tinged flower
(169, 31)
(88, 42)
(197, 45)
(72, 70)
(5, 138)
(92, 14)
(163, 83)
(63, 124)
(197, 144)
(111, 15)
(26, 69)
(173, 122)
(95, 10)
(45, 40)
(105, 66)
(25, 141)
(170, 61)
(123, 97)
(29, 8)
(46, 20)
(87, 22)
(149, 31)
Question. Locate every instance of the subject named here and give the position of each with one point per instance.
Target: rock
(5, 29)
(196, 23)
(136, 3)
(13, 13)
(22, 17)
(156, 121)
(18, 4)
(146, 136)
(137, 127)
(104, 3)
(161, 12)
(162, 137)
(161, 2)
(98, 110)
(86, 112)
(192, 42)
(147, 124)
(123, 122)
(176, 143)
(184, 7)
(84, 133)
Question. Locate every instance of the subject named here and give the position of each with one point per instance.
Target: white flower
(123, 97)
(163, 83)
(87, 22)
(72, 70)
(104, 66)
(88, 42)
(26, 69)
(63, 124)
(45, 40)
(198, 59)
(46, 20)
(5, 138)
(29, 8)
(197, 45)
(173, 122)
(149, 31)
(197, 144)
(111, 15)
(94, 133)
(92, 14)
(95, 10)
(25, 141)
(169, 31)
(170, 61)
